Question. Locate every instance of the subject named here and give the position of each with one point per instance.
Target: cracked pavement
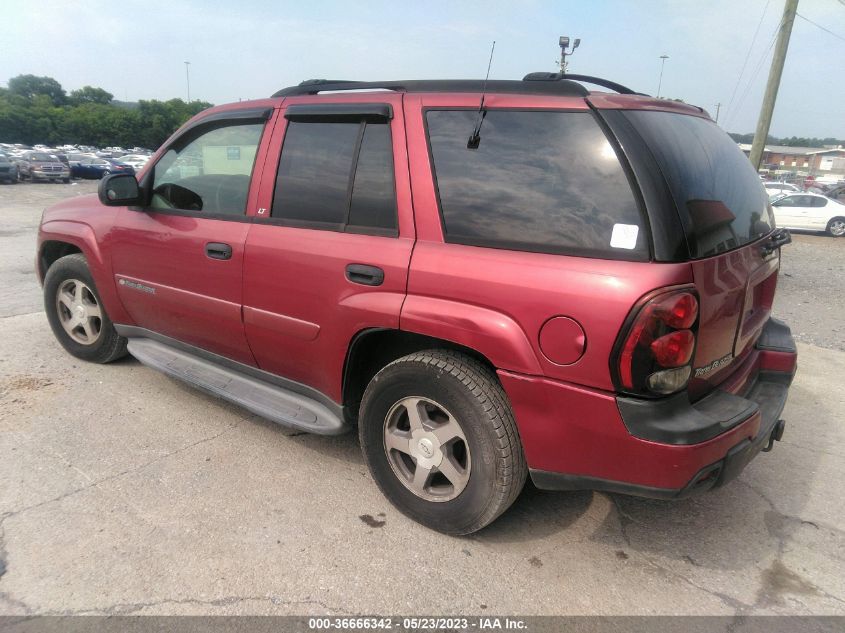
(125, 492)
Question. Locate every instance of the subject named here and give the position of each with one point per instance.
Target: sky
(251, 48)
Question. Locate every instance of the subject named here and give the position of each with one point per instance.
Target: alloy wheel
(79, 313)
(427, 449)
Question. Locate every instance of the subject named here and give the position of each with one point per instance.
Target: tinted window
(313, 181)
(712, 181)
(819, 202)
(373, 198)
(209, 171)
(539, 181)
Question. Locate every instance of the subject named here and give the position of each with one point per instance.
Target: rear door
(328, 253)
(726, 215)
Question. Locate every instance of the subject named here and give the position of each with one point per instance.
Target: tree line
(38, 110)
(791, 141)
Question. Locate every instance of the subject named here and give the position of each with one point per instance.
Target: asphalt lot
(125, 492)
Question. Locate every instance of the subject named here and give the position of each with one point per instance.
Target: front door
(329, 251)
(178, 263)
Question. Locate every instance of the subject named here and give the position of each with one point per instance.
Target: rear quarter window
(716, 189)
(540, 181)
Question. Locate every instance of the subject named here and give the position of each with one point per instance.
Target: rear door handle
(365, 275)
(218, 250)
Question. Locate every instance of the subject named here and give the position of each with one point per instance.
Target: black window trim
(194, 131)
(356, 152)
(526, 247)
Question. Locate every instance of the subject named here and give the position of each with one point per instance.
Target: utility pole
(188, 80)
(663, 59)
(718, 107)
(768, 107)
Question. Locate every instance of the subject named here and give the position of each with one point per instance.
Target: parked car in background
(778, 188)
(810, 212)
(42, 166)
(836, 193)
(95, 167)
(73, 158)
(136, 161)
(8, 170)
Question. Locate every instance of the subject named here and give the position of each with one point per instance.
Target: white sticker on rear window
(624, 236)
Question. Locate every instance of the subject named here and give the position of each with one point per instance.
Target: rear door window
(715, 188)
(337, 176)
(540, 181)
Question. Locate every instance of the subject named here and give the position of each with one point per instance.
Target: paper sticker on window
(624, 236)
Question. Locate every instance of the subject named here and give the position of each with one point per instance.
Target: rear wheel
(836, 227)
(76, 314)
(441, 442)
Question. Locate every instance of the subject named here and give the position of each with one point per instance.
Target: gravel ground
(811, 289)
(123, 491)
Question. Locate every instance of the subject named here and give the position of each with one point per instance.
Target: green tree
(89, 94)
(29, 86)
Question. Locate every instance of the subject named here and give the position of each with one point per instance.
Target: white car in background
(136, 160)
(779, 188)
(811, 212)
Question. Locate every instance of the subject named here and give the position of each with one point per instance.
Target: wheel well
(52, 252)
(371, 350)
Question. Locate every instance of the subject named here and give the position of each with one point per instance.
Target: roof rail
(598, 81)
(562, 87)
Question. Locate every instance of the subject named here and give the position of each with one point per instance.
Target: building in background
(825, 163)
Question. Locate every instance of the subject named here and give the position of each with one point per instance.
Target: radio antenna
(475, 137)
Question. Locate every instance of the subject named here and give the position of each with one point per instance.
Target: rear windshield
(715, 187)
(540, 181)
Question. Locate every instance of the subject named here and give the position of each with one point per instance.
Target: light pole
(188, 80)
(663, 59)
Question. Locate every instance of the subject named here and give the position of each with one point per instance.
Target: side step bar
(273, 402)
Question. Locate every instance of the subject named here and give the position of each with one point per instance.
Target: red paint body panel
(298, 275)
(527, 289)
(198, 299)
(736, 291)
(578, 431)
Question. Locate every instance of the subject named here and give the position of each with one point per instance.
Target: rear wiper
(778, 238)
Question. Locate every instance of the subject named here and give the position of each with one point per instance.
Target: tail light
(655, 354)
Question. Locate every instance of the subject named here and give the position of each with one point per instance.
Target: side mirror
(119, 190)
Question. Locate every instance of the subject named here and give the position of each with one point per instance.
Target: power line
(753, 75)
(821, 27)
(747, 57)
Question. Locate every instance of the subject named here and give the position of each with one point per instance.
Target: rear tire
(836, 227)
(76, 314)
(459, 464)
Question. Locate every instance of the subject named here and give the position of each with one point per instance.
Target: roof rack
(556, 88)
(598, 81)
(554, 84)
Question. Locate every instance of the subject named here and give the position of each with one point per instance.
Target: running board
(272, 402)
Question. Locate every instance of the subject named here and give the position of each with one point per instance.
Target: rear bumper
(576, 438)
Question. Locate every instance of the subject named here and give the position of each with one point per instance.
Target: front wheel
(76, 314)
(836, 227)
(441, 442)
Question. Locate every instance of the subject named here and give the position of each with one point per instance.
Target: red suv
(491, 282)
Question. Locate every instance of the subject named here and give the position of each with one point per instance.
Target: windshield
(44, 158)
(715, 188)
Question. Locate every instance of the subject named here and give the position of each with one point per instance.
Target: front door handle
(365, 275)
(218, 250)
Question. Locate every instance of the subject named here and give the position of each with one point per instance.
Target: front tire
(76, 313)
(836, 227)
(441, 442)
